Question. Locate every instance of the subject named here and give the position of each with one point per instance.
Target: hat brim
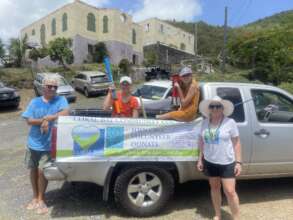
(205, 111)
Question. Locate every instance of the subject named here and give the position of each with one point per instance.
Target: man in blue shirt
(40, 115)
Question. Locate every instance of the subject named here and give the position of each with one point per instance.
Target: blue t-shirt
(38, 109)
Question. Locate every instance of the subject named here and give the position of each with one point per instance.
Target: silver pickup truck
(142, 187)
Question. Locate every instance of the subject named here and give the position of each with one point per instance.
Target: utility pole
(195, 40)
(225, 41)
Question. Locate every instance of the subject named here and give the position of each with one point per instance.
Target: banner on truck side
(121, 139)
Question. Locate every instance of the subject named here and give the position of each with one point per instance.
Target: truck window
(233, 95)
(272, 106)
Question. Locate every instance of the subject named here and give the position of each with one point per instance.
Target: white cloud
(16, 14)
(183, 10)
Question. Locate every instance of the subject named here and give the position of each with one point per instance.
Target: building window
(91, 22)
(105, 24)
(133, 36)
(43, 35)
(25, 36)
(33, 32)
(147, 28)
(162, 28)
(182, 46)
(123, 18)
(53, 26)
(64, 22)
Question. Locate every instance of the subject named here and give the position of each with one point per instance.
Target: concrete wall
(156, 30)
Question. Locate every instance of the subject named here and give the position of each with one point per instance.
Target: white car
(156, 95)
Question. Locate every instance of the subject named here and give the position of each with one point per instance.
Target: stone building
(87, 25)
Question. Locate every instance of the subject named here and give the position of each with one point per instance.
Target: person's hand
(44, 127)
(50, 117)
(199, 165)
(112, 87)
(176, 85)
(237, 169)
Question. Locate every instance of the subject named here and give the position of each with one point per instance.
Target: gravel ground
(260, 199)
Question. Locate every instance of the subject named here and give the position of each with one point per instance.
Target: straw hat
(228, 106)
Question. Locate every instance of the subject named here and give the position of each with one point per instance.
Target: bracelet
(238, 162)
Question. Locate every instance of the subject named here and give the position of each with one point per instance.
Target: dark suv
(8, 97)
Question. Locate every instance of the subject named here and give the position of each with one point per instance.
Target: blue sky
(239, 11)
(16, 14)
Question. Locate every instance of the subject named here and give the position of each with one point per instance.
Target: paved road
(260, 199)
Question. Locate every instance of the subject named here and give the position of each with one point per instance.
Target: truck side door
(272, 132)
(241, 116)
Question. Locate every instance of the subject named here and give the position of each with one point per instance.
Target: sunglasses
(125, 84)
(215, 106)
(52, 87)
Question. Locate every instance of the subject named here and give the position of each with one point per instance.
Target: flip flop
(42, 209)
(32, 205)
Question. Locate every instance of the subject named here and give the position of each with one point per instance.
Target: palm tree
(17, 50)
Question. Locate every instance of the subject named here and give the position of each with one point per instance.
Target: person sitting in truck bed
(188, 91)
(125, 105)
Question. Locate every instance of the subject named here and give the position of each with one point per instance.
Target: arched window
(53, 26)
(182, 46)
(33, 32)
(43, 35)
(64, 22)
(105, 24)
(133, 36)
(91, 22)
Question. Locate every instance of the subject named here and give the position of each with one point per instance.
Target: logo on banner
(88, 140)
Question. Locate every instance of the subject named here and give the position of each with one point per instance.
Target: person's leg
(30, 160)
(232, 197)
(215, 184)
(42, 183)
(165, 116)
(34, 183)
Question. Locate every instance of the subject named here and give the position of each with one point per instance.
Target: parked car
(64, 88)
(9, 97)
(91, 82)
(156, 95)
(142, 185)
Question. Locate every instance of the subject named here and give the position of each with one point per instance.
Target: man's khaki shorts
(36, 159)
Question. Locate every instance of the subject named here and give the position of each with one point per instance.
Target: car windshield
(62, 82)
(151, 92)
(99, 79)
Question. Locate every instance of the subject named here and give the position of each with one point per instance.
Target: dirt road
(260, 199)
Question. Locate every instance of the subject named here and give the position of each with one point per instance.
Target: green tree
(2, 51)
(17, 50)
(125, 66)
(35, 53)
(100, 51)
(150, 58)
(59, 50)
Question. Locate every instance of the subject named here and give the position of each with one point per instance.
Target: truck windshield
(98, 79)
(151, 92)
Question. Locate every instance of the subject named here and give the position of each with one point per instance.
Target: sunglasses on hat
(215, 106)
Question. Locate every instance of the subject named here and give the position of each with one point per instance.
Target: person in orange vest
(124, 105)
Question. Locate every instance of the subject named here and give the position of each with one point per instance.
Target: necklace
(214, 134)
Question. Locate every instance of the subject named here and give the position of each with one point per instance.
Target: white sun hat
(228, 106)
(185, 71)
(125, 79)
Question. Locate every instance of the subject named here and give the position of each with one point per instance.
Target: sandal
(32, 205)
(42, 208)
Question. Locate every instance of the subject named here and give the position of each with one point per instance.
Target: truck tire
(143, 191)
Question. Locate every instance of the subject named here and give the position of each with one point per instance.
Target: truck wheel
(86, 92)
(144, 190)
